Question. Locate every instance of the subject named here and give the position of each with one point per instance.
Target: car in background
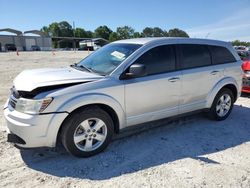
(10, 47)
(246, 77)
(35, 48)
(242, 51)
(88, 45)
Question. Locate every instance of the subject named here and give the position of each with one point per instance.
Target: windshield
(107, 58)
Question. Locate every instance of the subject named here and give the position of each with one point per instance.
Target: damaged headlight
(32, 106)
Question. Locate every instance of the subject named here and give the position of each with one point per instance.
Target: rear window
(194, 55)
(221, 55)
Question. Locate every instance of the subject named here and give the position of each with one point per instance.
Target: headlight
(32, 106)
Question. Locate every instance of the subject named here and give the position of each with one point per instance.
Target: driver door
(157, 94)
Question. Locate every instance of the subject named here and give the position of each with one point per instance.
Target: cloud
(236, 26)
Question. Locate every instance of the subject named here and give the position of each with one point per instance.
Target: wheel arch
(104, 107)
(106, 103)
(229, 83)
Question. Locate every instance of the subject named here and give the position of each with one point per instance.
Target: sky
(216, 19)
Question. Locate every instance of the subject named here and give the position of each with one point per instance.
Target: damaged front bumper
(30, 131)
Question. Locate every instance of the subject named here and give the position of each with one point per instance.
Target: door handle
(214, 72)
(174, 79)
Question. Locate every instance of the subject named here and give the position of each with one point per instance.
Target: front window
(106, 59)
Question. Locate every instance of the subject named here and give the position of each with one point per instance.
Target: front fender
(94, 98)
(217, 88)
(83, 100)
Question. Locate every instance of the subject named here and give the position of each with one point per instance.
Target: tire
(225, 109)
(87, 132)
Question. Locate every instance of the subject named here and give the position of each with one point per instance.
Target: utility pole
(74, 42)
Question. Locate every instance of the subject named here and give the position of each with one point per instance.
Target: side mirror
(136, 70)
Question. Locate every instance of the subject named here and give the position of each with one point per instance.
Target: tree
(103, 32)
(158, 32)
(154, 32)
(177, 33)
(65, 29)
(54, 29)
(240, 43)
(46, 30)
(81, 33)
(125, 32)
(137, 35)
(113, 37)
(147, 32)
(90, 34)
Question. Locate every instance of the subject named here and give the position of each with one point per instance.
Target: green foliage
(80, 33)
(177, 33)
(240, 43)
(54, 29)
(90, 34)
(46, 30)
(113, 37)
(103, 32)
(125, 32)
(154, 32)
(137, 35)
(64, 29)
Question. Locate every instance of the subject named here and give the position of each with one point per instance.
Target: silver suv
(125, 83)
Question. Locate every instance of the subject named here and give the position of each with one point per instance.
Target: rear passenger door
(223, 59)
(198, 75)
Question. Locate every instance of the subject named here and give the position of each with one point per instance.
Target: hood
(29, 80)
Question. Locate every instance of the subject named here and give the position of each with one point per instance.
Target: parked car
(35, 48)
(122, 84)
(242, 51)
(10, 47)
(246, 77)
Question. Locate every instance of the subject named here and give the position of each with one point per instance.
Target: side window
(194, 55)
(158, 60)
(221, 55)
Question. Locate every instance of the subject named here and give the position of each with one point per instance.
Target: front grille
(12, 102)
(14, 92)
(14, 95)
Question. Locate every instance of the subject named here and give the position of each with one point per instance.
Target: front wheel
(87, 132)
(222, 105)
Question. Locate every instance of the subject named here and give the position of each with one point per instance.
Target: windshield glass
(107, 58)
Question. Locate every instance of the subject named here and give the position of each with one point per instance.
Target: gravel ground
(190, 152)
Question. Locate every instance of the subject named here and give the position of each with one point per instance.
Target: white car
(123, 84)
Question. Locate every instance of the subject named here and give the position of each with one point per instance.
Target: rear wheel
(88, 132)
(222, 105)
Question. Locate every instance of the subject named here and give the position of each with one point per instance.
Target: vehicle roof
(177, 40)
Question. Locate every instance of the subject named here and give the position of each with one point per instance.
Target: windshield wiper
(75, 65)
(82, 67)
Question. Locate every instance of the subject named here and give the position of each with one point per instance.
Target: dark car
(10, 47)
(35, 48)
